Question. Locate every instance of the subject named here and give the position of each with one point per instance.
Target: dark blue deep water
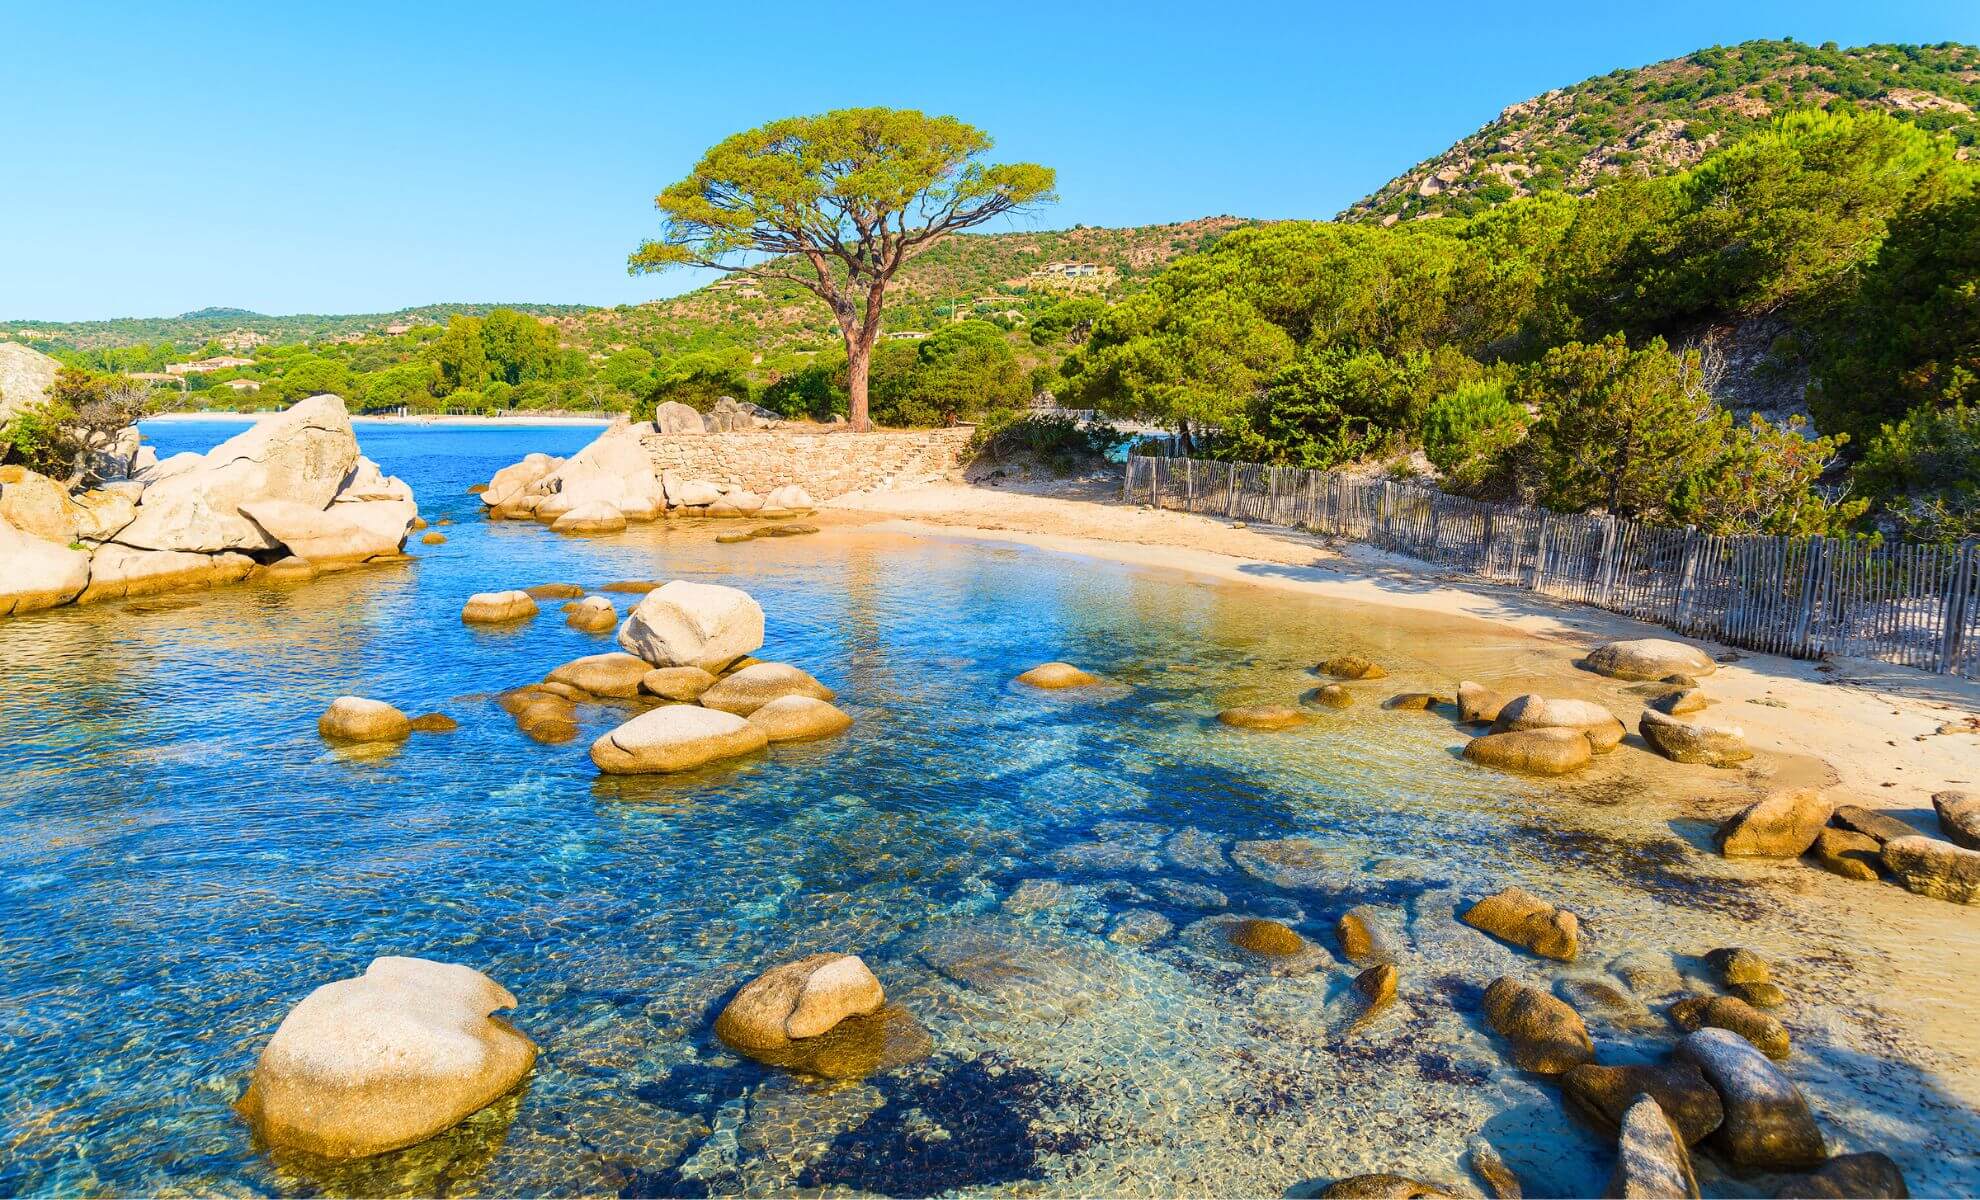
(182, 859)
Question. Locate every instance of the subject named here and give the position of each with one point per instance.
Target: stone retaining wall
(824, 464)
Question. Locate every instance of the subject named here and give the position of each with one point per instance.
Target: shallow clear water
(181, 859)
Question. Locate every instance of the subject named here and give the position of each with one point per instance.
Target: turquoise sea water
(182, 859)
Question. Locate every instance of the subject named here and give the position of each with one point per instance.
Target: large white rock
(790, 496)
(675, 417)
(159, 469)
(37, 505)
(510, 483)
(38, 573)
(675, 737)
(301, 456)
(26, 374)
(343, 532)
(367, 482)
(386, 1060)
(614, 469)
(116, 571)
(682, 624)
(692, 493)
(103, 512)
(1649, 658)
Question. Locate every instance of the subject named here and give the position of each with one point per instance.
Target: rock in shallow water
(1330, 695)
(1604, 1094)
(1478, 704)
(1053, 676)
(595, 614)
(1649, 658)
(676, 683)
(496, 608)
(1269, 717)
(614, 675)
(1686, 742)
(1869, 1176)
(1547, 1036)
(1532, 751)
(1500, 1181)
(1783, 825)
(1732, 1013)
(1768, 1125)
(678, 737)
(385, 1060)
(1352, 666)
(1737, 964)
(1518, 916)
(683, 624)
(1531, 712)
(799, 719)
(743, 692)
(799, 999)
(1651, 1160)
(1139, 927)
(1267, 937)
(1385, 1186)
(356, 719)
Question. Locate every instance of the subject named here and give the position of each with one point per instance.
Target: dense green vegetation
(1661, 118)
(1529, 350)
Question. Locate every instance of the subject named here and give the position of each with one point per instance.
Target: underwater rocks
(1532, 751)
(799, 719)
(1352, 666)
(1737, 1016)
(541, 714)
(1649, 658)
(1295, 863)
(1934, 868)
(799, 999)
(554, 591)
(1768, 1125)
(1651, 1160)
(1781, 825)
(1547, 1036)
(1518, 916)
(356, 719)
(1139, 927)
(1530, 712)
(1053, 676)
(498, 608)
(1195, 850)
(434, 722)
(683, 624)
(614, 675)
(1870, 1176)
(1415, 701)
(677, 737)
(1362, 941)
(1328, 695)
(1604, 1094)
(1268, 717)
(1273, 939)
(385, 1060)
(1682, 741)
(1605, 1001)
(743, 692)
(1255, 943)
(1385, 1186)
(1500, 1182)
(1374, 990)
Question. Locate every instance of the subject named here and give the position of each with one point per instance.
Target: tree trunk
(859, 367)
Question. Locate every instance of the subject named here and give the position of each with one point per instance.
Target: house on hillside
(240, 341)
(242, 385)
(202, 366)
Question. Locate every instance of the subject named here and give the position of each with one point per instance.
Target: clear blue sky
(357, 157)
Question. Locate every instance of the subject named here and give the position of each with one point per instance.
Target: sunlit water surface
(184, 859)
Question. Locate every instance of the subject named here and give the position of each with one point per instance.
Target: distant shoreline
(513, 422)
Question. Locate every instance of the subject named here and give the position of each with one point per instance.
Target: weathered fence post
(1230, 491)
(1539, 557)
(1812, 574)
(1959, 600)
(1688, 578)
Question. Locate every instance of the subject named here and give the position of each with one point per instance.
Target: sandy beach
(1864, 727)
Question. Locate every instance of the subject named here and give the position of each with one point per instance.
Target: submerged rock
(1478, 704)
(1682, 741)
(1732, 1013)
(1361, 937)
(1651, 1160)
(1195, 850)
(1649, 658)
(1959, 816)
(554, 591)
(1055, 675)
(385, 1060)
(1500, 1181)
(1385, 1186)
(1782, 825)
(542, 715)
(676, 737)
(684, 684)
(1352, 666)
(1934, 868)
(1375, 990)
(1604, 1094)
(743, 692)
(1415, 701)
(1294, 862)
(799, 719)
(1270, 938)
(1648, 974)
(356, 719)
(1268, 717)
(1547, 1036)
(1768, 1125)
(1737, 964)
(1869, 1176)
(683, 624)
(1139, 927)
(1331, 695)
(1605, 1001)
(1532, 751)
(498, 608)
(615, 675)
(434, 722)
(1518, 916)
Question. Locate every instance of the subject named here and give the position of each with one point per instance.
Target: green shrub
(1468, 430)
(1060, 442)
(1929, 463)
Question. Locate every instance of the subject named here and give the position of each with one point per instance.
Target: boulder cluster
(1862, 843)
(283, 499)
(611, 482)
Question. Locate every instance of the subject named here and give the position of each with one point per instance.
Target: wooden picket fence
(1917, 606)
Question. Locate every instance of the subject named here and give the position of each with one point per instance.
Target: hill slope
(1661, 118)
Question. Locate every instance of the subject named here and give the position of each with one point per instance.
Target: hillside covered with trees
(1667, 116)
(1544, 348)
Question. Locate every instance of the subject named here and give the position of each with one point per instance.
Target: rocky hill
(1664, 117)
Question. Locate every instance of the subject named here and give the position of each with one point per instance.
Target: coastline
(1864, 727)
(518, 422)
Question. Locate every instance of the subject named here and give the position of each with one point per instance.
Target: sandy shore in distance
(415, 419)
(1870, 729)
